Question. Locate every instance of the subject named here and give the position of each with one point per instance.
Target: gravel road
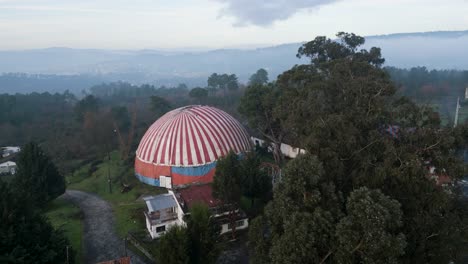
(100, 241)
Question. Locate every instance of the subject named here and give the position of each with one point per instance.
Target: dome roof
(192, 136)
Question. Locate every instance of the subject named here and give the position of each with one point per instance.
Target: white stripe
(178, 138)
(192, 141)
(206, 141)
(155, 138)
(216, 125)
(214, 138)
(223, 124)
(184, 144)
(213, 129)
(160, 140)
(199, 142)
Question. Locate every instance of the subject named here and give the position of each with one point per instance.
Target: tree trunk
(277, 155)
(233, 223)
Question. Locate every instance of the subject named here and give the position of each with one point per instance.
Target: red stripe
(217, 124)
(173, 142)
(194, 141)
(204, 151)
(227, 129)
(215, 131)
(187, 142)
(216, 137)
(209, 140)
(218, 133)
(162, 148)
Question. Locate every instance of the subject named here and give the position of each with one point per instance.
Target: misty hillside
(440, 50)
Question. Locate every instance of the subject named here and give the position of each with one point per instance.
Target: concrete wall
(6, 168)
(152, 228)
(244, 225)
(286, 150)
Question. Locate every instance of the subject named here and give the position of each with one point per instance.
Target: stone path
(100, 241)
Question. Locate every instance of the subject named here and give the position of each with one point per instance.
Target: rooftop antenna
(455, 123)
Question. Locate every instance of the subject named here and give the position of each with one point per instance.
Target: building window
(238, 224)
(160, 229)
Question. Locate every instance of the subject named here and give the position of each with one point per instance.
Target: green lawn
(128, 207)
(67, 217)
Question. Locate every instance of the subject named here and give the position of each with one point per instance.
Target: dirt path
(99, 238)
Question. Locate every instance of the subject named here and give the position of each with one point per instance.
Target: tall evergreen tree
(260, 106)
(173, 246)
(25, 235)
(227, 185)
(343, 109)
(255, 183)
(160, 105)
(203, 234)
(260, 77)
(37, 178)
(195, 244)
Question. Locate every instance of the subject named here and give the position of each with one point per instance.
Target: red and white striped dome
(192, 136)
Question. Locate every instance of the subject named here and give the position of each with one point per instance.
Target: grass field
(128, 207)
(67, 217)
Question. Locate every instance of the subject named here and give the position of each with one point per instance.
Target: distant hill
(434, 50)
(440, 50)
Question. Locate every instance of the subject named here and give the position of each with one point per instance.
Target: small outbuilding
(167, 210)
(8, 167)
(189, 196)
(163, 212)
(7, 151)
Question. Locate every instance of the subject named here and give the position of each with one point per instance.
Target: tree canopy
(198, 93)
(37, 177)
(173, 246)
(25, 235)
(255, 183)
(227, 179)
(368, 157)
(260, 77)
(89, 104)
(227, 185)
(159, 105)
(195, 243)
(203, 235)
(223, 82)
(259, 105)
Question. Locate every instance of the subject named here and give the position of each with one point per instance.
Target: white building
(194, 194)
(286, 150)
(466, 93)
(167, 210)
(163, 213)
(8, 167)
(7, 151)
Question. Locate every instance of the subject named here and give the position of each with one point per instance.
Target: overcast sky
(207, 24)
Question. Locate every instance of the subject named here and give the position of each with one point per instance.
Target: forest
(359, 195)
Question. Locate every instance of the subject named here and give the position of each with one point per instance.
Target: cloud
(265, 12)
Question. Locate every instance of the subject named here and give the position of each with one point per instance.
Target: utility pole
(68, 260)
(108, 172)
(455, 123)
(125, 245)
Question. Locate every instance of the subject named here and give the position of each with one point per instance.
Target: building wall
(244, 223)
(151, 173)
(152, 228)
(180, 212)
(286, 150)
(5, 168)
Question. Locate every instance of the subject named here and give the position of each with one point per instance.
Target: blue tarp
(150, 181)
(194, 171)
